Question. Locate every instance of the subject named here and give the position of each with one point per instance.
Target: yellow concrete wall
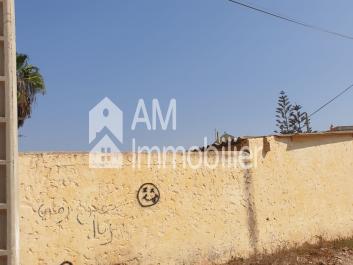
(298, 190)
(92, 216)
(303, 189)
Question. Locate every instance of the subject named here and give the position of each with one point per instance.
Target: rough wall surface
(298, 190)
(303, 189)
(92, 216)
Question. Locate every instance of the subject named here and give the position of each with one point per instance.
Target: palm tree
(30, 82)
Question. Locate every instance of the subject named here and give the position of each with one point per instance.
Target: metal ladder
(9, 221)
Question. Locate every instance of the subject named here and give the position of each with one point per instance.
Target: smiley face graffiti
(148, 195)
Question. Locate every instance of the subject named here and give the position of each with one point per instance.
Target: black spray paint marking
(148, 195)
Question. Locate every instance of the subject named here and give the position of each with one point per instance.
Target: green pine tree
(283, 111)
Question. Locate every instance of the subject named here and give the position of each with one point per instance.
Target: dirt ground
(339, 252)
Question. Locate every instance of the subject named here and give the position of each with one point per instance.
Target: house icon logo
(105, 134)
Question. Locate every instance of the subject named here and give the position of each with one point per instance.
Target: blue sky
(224, 64)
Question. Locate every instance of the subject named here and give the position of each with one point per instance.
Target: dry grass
(323, 253)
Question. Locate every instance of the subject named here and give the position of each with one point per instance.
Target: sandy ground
(339, 252)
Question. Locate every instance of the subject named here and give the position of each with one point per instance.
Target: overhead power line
(330, 101)
(292, 20)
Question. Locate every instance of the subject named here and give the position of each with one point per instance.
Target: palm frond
(30, 83)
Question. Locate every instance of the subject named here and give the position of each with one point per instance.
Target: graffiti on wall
(148, 195)
(97, 221)
(57, 213)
